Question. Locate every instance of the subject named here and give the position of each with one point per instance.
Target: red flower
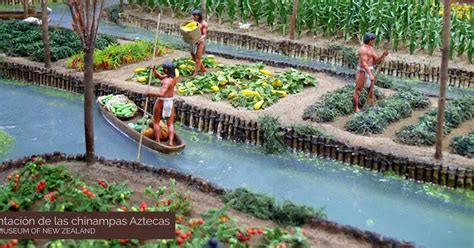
(123, 241)
(143, 206)
(102, 183)
(50, 196)
(41, 185)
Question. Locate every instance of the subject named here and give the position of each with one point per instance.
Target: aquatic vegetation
(265, 207)
(6, 141)
(272, 136)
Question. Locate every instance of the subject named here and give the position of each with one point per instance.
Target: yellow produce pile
(189, 27)
(247, 86)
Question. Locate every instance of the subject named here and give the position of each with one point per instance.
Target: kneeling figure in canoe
(164, 107)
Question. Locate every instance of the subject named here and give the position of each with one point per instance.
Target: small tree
(443, 79)
(85, 21)
(44, 25)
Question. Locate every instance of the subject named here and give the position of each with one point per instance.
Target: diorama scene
(259, 123)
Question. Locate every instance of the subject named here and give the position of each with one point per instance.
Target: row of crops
(374, 120)
(244, 86)
(413, 24)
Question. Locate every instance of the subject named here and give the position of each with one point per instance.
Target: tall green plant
(272, 136)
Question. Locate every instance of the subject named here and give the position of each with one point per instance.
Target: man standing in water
(164, 107)
(364, 76)
(197, 50)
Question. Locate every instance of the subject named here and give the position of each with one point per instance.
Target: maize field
(413, 24)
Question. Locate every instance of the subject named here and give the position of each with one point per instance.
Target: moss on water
(58, 93)
(6, 141)
(14, 82)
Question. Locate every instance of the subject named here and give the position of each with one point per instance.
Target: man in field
(364, 76)
(197, 50)
(164, 107)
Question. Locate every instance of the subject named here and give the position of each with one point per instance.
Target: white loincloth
(167, 106)
(367, 82)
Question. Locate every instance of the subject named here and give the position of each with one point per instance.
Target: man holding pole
(364, 76)
(164, 107)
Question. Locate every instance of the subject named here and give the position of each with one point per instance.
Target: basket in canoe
(190, 32)
(131, 128)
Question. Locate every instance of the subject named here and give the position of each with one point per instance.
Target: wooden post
(443, 80)
(293, 19)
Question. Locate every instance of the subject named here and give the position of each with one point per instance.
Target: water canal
(45, 120)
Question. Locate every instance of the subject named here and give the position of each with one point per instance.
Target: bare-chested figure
(197, 50)
(164, 107)
(364, 76)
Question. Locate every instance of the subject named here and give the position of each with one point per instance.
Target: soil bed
(201, 202)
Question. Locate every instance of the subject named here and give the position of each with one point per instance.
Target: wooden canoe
(122, 126)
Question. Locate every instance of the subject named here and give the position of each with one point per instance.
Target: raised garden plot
(41, 187)
(376, 119)
(115, 55)
(185, 66)
(424, 132)
(247, 86)
(22, 39)
(463, 145)
(336, 103)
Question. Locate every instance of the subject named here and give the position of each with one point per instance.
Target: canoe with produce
(131, 127)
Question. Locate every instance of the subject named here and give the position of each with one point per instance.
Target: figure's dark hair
(170, 66)
(197, 12)
(369, 37)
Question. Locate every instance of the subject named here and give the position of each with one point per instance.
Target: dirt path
(289, 109)
(419, 56)
(137, 181)
(462, 130)
(394, 127)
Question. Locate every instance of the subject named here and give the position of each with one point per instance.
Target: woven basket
(190, 37)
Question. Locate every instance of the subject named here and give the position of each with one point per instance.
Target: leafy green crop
(23, 39)
(336, 103)
(248, 86)
(374, 120)
(424, 132)
(463, 145)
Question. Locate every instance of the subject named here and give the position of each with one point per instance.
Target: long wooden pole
(443, 78)
(148, 88)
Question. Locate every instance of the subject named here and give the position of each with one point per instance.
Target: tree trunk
(443, 78)
(88, 103)
(203, 9)
(121, 6)
(293, 19)
(44, 19)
